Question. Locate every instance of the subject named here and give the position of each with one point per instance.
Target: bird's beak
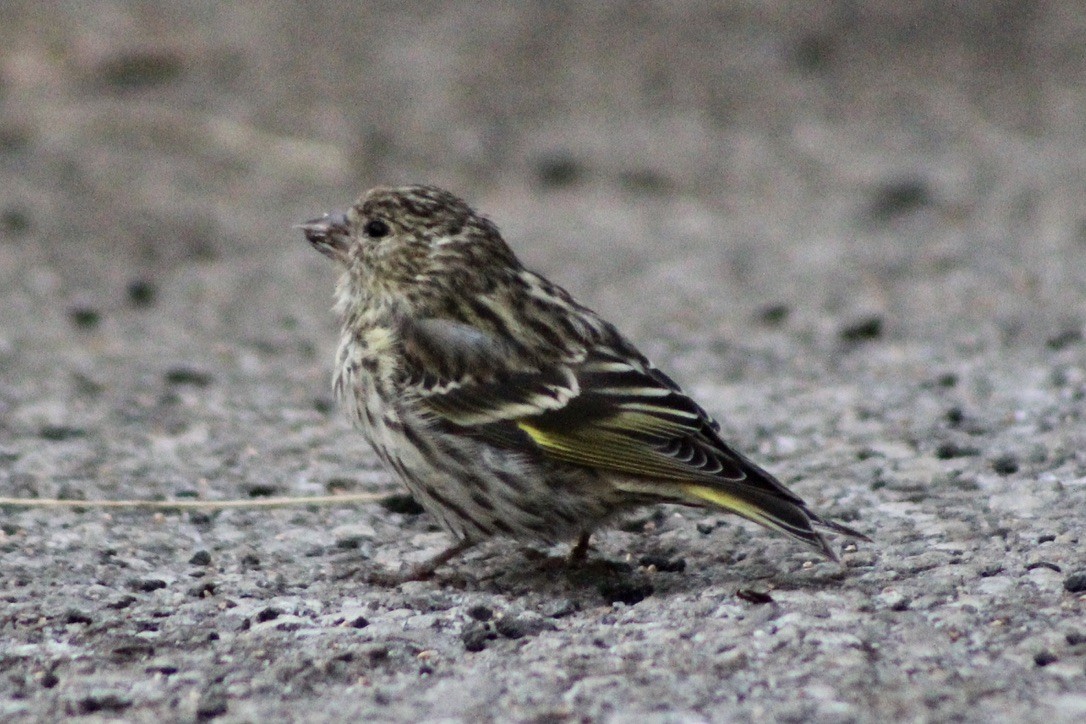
(329, 234)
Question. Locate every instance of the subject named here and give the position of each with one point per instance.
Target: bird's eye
(375, 229)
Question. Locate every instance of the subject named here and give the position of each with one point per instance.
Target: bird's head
(412, 241)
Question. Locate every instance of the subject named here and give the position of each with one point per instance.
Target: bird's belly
(474, 489)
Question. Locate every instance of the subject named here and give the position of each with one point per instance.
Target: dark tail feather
(771, 511)
(837, 527)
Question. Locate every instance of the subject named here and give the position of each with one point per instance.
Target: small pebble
(141, 293)
(15, 220)
(188, 376)
(1065, 338)
(84, 317)
(519, 626)
(773, 315)
(951, 450)
(897, 197)
(751, 596)
(862, 330)
(1044, 658)
(200, 558)
(480, 613)
(98, 701)
(139, 68)
(60, 433)
(1075, 583)
(558, 170)
(268, 614)
(75, 616)
(132, 650)
(1005, 464)
(475, 636)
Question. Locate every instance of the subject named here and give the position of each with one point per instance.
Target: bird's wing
(601, 406)
(604, 407)
(471, 378)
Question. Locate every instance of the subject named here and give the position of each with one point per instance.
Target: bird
(506, 407)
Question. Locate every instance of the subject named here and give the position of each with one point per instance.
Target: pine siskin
(506, 407)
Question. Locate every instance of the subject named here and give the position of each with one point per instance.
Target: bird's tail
(770, 510)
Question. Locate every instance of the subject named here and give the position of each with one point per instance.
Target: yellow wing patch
(600, 447)
(730, 502)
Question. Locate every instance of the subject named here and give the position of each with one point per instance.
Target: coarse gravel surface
(856, 232)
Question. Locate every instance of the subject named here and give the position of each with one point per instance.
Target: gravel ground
(856, 232)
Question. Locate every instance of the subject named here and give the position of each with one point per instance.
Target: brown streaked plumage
(506, 407)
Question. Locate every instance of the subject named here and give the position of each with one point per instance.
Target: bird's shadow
(601, 579)
(596, 579)
(591, 581)
(660, 572)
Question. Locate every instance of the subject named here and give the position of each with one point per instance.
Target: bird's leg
(579, 551)
(423, 571)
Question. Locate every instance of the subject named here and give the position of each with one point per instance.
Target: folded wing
(602, 406)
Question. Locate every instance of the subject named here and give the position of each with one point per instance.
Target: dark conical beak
(330, 234)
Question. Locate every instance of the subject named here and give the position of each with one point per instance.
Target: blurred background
(893, 158)
(761, 176)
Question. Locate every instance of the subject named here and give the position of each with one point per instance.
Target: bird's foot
(423, 571)
(579, 552)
